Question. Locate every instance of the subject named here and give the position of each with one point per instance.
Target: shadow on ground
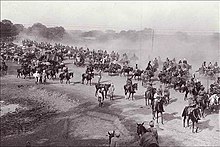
(171, 116)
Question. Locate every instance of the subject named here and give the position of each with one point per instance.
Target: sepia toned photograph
(109, 73)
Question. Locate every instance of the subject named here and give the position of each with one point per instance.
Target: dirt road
(80, 122)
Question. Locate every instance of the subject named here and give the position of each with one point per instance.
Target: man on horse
(149, 94)
(153, 129)
(210, 66)
(149, 66)
(160, 89)
(37, 76)
(148, 138)
(157, 98)
(129, 81)
(88, 70)
(201, 95)
(167, 94)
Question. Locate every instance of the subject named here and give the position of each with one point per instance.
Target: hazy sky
(124, 15)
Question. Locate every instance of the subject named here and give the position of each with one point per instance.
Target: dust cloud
(196, 48)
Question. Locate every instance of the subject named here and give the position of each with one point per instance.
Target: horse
(71, 73)
(193, 114)
(88, 77)
(100, 86)
(203, 103)
(4, 69)
(61, 77)
(126, 70)
(149, 95)
(147, 137)
(130, 89)
(213, 102)
(25, 72)
(167, 96)
(19, 72)
(44, 77)
(138, 74)
(51, 73)
(157, 108)
(68, 77)
(146, 76)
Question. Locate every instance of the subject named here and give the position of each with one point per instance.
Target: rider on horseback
(210, 66)
(129, 81)
(88, 70)
(149, 66)
(201, 95)
(136, 68)
(155, 62)
(157, 96)
(153, 129)
(3, 63)
(160, 89)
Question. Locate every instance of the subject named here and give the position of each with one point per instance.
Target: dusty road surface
(68, 114)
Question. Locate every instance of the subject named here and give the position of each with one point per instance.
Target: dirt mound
(39, 105)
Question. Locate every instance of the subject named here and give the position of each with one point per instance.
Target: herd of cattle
(45, 61)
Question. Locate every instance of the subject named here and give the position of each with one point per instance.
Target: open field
(69, 115)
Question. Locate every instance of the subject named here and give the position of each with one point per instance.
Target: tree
(52, 33)
(8, 29)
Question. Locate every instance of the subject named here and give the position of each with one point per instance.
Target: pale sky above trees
(125, 15)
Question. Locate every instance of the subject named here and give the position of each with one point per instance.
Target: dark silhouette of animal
(71, 73)
(149, 95)
(130, 89)
(138, 74)
(4, 69)
(213, 102)
(51, 74)
(19, 72)
(61, 77)
(68, 77)
(147, 137)
(88, 77)
(157, 108)
(126, 70)
(100, 86)
(191, 113)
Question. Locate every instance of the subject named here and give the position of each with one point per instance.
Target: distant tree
(19, 27)
(8, 29)
(52, 33)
